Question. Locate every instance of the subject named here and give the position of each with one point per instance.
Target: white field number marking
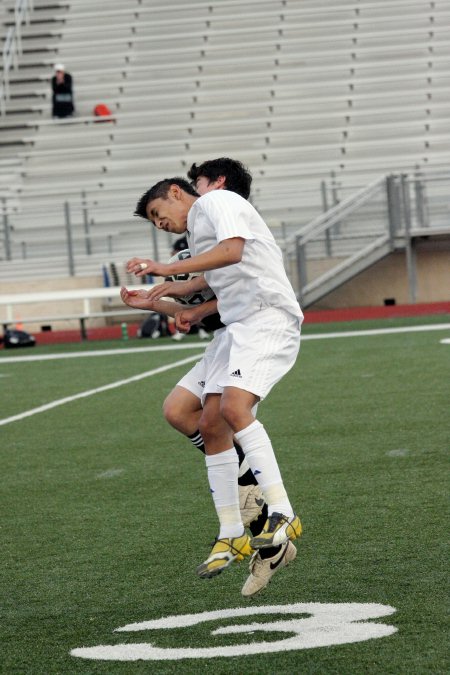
(326, 625)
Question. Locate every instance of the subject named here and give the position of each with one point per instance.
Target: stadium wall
(388, 280)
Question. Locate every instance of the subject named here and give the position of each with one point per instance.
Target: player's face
(204, 185)
(167, 214)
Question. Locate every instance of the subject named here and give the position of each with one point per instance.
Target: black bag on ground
(18, 338)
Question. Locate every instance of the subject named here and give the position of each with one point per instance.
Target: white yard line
(137, 350)
(97, 390)
(155, 371)
(378, 331)
(99, 352)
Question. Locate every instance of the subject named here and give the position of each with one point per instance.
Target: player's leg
(277, 550)
(182, 409)
(262, 349)
(222, 466)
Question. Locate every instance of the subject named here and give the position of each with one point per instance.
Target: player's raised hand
(137, 299)
(142, 266)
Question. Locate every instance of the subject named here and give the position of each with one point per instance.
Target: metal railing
(358, 228)
(365, 227)
(12, 48)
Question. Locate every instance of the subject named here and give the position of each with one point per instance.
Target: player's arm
(226, 252)
(178, 289)
(139, 300)
(186, 318)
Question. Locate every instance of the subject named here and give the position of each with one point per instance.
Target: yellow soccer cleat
(277, 530)
(224, 552)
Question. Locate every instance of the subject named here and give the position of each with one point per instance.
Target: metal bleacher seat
(298, 91)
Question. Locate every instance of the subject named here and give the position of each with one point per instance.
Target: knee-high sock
(223, 471)
(245, 475)
(259, 453)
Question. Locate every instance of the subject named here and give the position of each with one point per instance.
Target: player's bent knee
(237, 408)
(212, 430)
(174, 414)
(233, 416)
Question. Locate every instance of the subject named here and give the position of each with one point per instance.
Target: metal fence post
(86, 223)
(302, 274)
(323, 189)
(394, 208)
(409, 250)
(336, 200)
(155, 244)
(69, 240)
(422, 214)
(6, 231)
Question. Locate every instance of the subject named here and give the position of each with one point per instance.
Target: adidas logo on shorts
(236, 373)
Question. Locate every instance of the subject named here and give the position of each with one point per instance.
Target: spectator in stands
(62, 88)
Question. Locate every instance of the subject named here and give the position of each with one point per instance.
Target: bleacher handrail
(335, 213)
(12, 47)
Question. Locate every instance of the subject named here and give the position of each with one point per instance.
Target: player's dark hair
(160, 191)
(237, 177)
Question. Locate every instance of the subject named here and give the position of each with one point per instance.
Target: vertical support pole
(409, 250)
(336, 200)
(323, 192)
(422, 215)
(155, 244)
(394, 208)
(6, 231)
(86, 223)
(323, 189)
(83, 331)
(69, 240)
(302, 274)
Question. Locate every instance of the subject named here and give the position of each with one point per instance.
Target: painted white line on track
(91, 392)
(99, 352)
(445, 341)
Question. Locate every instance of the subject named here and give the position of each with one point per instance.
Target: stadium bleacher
(299, 91)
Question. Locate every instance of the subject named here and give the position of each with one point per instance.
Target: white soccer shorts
(194, 380)
(254, 354)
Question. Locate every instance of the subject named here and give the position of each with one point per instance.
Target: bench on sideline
(11, 301)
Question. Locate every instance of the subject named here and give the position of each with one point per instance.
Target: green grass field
(105, 510)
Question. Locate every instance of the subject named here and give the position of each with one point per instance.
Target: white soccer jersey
(259, 280)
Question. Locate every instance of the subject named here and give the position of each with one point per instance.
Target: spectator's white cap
(59, 66)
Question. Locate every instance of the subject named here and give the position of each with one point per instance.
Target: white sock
(223, 470)
(259, 453)
(243, 468)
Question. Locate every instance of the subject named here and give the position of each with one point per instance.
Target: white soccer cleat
(251, 502)
(262, 570)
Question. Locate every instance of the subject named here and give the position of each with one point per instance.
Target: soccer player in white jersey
(182, 407)
(232, 245)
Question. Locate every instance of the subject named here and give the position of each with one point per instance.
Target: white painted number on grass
(325, 625)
